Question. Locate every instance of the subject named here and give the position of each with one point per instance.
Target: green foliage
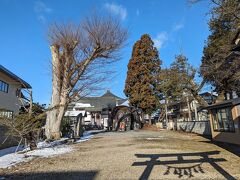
(220, 67)
(176, 80)
(143, 69)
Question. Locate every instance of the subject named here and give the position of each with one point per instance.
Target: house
(225, 113)
(179, 110)
(10, 92)
(225, 121)
(209, 97)
(10, 95)
(188, 114)
(96, 110)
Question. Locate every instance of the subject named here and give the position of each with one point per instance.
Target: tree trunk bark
(52, 130)
(57, 116)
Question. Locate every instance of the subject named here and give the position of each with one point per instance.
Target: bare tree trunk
(73, 50)
(51, 129)
(56, 134)
(31, 137)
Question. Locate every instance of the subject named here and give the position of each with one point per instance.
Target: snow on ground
(9, 158)
(10, 150)
(156, 138)
(86, 137)
(25, 155)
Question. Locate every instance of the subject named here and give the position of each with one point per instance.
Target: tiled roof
(110, 94)
(108, 100)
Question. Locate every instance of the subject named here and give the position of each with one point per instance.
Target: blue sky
(174, 25)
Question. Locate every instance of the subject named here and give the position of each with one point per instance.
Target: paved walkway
(135, 155)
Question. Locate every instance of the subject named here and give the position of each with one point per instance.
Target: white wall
(9, 101)
(88, 118)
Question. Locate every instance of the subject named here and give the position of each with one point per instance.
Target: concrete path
(135, 155)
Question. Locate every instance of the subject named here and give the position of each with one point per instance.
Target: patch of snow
(10, 150)
(87, 135)
(93, 132)
(84, 138)
(155, 138)
(24, 156)
(45, 144)
(9, 158)
(74, 113)
(52, 151)
(82, 105)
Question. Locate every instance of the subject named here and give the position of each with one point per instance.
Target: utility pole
(195, 110)
(189, 110)
(166, 101)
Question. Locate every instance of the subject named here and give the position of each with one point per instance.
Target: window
(6, 113)
(222, 120)
(3, 86)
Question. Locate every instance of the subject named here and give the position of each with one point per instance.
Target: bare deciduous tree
(28, 123)
(78, 52)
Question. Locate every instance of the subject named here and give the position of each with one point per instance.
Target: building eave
(231, 102)
(23, 83)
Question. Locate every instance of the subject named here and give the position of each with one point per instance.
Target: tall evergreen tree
(176, 82)
(177, 79)
(184, 72)
(220, 67)
(143, 69)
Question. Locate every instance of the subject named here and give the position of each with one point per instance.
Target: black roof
(207, 94)
(107, 100)
(15, 77)
(230, 102)
(110, 94)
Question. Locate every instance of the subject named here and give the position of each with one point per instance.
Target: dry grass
(113, 155)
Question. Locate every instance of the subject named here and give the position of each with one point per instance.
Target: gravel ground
(135, 155)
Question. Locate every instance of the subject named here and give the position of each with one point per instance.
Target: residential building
(10, 92)
(225, 121)
(10, 95)
(179, 110)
